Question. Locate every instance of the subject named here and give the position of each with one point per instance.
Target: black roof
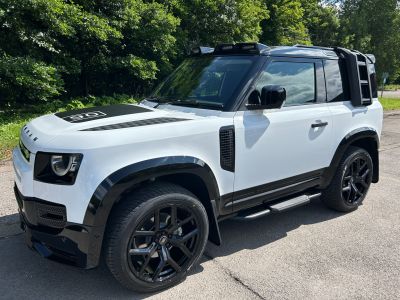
(261, 49)
(301, 51)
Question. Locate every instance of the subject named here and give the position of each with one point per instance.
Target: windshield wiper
(194, 103)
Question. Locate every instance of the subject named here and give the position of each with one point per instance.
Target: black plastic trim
(227, 148)
(352, 138)
(114, 186)
(268, 192)
(73, 244)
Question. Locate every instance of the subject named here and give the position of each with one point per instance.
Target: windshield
(209, 82)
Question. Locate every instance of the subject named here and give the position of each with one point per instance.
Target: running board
(292, 203)
(255, 213)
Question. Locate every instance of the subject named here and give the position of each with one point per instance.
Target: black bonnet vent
(138, 123)
(227, 148)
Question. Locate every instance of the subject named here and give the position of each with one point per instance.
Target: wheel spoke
(144, 233)
(160, 267)
(180, 224)
(140, 251)
(365, 174)
(190, 235)
(356, 190)
(153, 249)
(185, 250)
(346, 188)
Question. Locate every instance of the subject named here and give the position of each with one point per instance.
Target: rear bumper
(48, 232)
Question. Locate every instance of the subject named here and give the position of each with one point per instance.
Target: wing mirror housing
(272, 96)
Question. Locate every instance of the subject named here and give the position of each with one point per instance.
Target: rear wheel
(155, 236)
(351, 182)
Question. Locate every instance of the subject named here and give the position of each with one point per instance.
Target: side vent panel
(227, 148)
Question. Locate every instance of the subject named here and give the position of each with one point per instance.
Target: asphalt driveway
(307, 253)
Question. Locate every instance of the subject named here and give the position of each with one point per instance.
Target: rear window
(334, 85)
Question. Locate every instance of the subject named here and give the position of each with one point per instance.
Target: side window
(334, 86)
(298, 78)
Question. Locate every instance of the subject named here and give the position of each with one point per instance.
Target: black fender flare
(354, 137)
(112, 187)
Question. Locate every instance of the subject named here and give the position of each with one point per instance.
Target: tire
(145, 249)
(351, 182)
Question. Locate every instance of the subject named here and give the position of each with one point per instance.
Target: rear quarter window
(334, 83)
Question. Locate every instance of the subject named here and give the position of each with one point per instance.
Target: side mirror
(272, 96)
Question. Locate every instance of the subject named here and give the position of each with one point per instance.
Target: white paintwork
(270, 145)
(347, 118)
(280, 143)
(105, 152)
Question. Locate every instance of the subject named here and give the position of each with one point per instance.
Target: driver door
(281, 151)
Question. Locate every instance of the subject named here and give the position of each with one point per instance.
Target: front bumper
(48, 232)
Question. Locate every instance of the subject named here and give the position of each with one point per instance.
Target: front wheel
(155, 236)
(351, 182)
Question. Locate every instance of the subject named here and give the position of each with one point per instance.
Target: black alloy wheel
(356, 180)
(163, 243)
(351, 182)
(154, 237)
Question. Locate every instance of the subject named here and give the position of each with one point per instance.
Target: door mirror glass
(272, 96)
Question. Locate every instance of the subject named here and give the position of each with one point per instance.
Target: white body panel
(276, 144)
(347, 118)
(105, 152)
(270, 145)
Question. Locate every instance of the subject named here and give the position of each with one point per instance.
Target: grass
(390, 103)
(12, 122)
(391, 87)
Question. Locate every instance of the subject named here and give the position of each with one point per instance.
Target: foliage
(286, 25)
(373, 26)
(58, 49)
(12, 121)
(390, 103)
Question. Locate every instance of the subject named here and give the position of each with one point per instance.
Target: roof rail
(240, 48)
(313, 47)
(201, 50)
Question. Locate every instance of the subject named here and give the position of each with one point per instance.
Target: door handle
(321, 124)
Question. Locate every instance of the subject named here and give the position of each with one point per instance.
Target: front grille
(138, 123)
(51, 215)
(227, 148)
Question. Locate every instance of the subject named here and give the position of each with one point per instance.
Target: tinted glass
(296, 77)
(334, 86)
(205, 80)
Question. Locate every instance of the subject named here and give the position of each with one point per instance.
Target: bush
(24, 80)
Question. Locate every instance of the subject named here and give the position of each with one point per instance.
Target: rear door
(281, 150)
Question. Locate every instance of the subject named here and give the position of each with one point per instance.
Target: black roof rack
(240, 48)
(201, 50)
(314, 47)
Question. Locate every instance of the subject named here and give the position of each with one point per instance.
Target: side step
(252, 214)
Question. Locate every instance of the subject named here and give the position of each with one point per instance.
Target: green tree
(208, 22)
(286, 25)
(322, 22)
(373, 27)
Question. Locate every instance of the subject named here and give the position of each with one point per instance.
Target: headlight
(56, 167)
(60, 164)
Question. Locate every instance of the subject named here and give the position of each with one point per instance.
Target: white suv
(242, 130)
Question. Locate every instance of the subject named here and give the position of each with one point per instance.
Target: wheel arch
(364, 137)
(189, 172)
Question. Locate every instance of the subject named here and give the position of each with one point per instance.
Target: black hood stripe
(135, 124)
(100, 112)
